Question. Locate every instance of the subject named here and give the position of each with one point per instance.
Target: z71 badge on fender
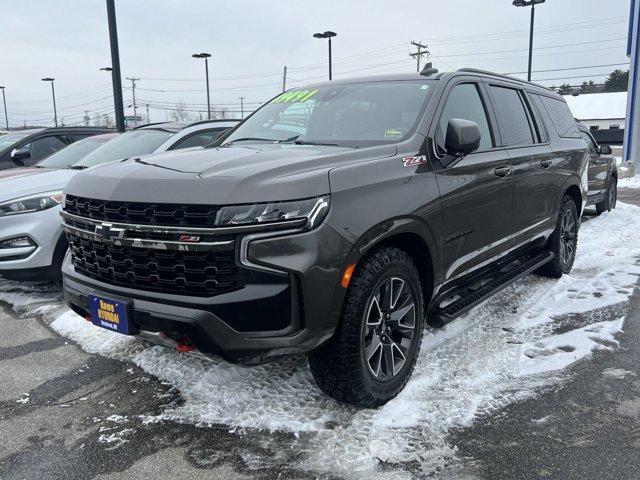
(413, 161)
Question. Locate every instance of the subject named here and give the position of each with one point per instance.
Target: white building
(599, 111)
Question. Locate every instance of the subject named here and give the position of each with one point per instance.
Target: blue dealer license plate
(110, 314)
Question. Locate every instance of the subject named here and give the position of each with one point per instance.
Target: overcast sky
(251, 41)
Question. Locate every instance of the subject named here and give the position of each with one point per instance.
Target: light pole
(53, 93)
(4, 100)
(532, 4)
(329, 35)
(241, 107)
(206, 71)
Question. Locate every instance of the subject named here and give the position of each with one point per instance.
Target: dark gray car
(603, 174)
(335, 220)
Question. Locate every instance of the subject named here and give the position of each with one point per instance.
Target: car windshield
(10, 138)
(356, 114)
(73, 153)
(137, 142)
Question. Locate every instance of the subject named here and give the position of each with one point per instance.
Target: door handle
(502, 171)
(546, 163)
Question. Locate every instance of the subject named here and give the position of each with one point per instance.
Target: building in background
(600, 111)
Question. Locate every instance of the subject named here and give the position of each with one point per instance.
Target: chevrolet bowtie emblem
(108, 232)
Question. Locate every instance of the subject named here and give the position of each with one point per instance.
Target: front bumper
(291, 305)
(45, 230)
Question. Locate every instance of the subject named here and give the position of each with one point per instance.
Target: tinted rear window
(561, 116)
(512, 116)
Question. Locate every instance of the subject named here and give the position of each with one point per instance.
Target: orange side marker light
(346, 276)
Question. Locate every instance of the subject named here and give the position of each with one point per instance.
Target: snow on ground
(632, 182)
(503, 350)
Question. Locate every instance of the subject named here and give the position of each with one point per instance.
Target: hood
(30, 184)
(227, 175)
(14, 172)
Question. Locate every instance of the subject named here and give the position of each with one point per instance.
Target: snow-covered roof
(595, 106)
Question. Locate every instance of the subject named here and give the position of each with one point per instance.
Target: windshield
(137, 142)
(357, 114)
(73, 153)
(10, 138)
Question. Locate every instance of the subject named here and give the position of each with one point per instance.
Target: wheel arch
(411, 238)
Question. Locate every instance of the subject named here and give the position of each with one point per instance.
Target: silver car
(32, 244)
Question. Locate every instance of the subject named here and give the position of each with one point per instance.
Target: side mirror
(463, 137)
(18, 156)
(605, 150)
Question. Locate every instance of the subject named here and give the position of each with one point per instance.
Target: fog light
(17, 242)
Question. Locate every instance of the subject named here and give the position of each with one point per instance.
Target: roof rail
(500, 75)
(214, 120)
(148, 124)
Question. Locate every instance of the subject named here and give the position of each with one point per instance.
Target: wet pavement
(66, 413)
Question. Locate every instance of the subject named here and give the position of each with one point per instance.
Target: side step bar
(468, 297)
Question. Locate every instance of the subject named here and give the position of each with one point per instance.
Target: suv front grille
(141, 213)
(170, 271)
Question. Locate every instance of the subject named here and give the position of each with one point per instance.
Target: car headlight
(32, 203)
(312, 209)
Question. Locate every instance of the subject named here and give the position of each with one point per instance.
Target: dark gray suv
(336, 220)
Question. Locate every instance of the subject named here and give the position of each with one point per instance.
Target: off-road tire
(557, 267)
(610, 199)
(339, 367)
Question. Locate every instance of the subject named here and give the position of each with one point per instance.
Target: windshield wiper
(247, 139)
(304, 142)
(77, 167)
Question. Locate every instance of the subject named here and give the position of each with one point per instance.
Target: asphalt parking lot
(67, 413)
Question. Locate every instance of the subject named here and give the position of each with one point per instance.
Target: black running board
(473, 295)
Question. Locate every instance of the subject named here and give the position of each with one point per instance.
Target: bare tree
(180, 113)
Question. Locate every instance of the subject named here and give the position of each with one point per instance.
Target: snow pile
(631, 182)
(502, 351)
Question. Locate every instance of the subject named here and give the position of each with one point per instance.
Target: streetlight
(4, 100)
(106, 69)
(206, 70)
(53, 93)
(328, 35)
(532, 3)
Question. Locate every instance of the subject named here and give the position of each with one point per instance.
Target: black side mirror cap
(19, 157)
(605, 150)
(463, 137)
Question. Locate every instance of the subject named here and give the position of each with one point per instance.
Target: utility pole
(241, 107)
(133, 90)
(418, 55)
(284, 79)
(147, 120)
(115, 66)
(4, 100)
(86, 117)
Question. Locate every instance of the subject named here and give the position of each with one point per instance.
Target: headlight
(32, 203)
(312, 209)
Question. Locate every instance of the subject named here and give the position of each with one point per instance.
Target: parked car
(603, 174)
(62, 158)
(25, 148)
(335, 220)
(32, 244)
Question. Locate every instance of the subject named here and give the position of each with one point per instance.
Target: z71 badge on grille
(413, 161)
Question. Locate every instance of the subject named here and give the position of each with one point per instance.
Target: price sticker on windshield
(295, 96)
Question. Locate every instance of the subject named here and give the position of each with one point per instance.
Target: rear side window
(589, 141)
(561, 116)
(513, 120)
(464, 102)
